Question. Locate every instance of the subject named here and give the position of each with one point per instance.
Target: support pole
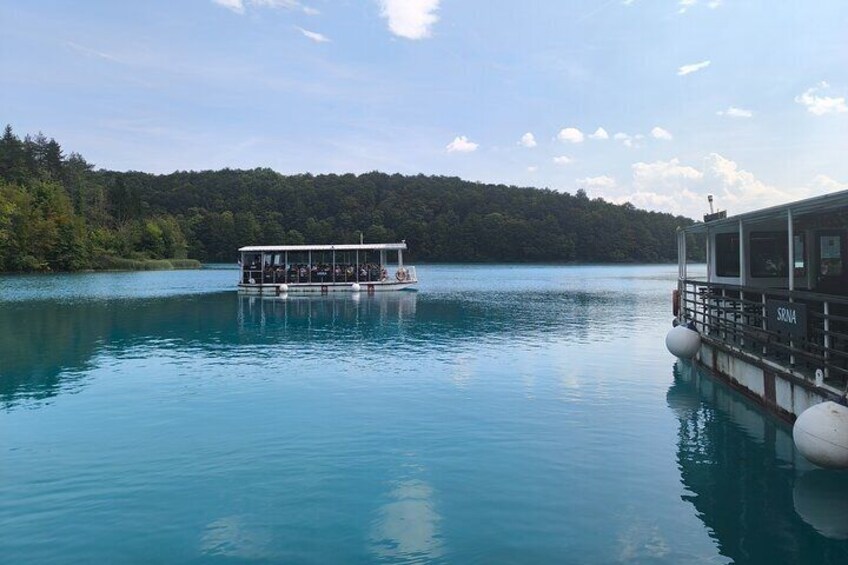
(709, 258)
(791, 255)
(743, 280)
(826, 339)
(261, 271)
(743, 271)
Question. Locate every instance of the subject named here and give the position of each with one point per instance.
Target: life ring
(401, 274)
(324, 289)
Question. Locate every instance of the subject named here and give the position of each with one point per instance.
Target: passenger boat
(279, 269)
(771, 315)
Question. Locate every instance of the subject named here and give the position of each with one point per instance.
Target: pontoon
(277, 269)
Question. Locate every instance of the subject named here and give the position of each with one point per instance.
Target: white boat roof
(817, 204)
(342, 247)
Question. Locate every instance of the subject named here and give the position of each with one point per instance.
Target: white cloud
(670, 186)
(602, 182)
(411, 19)
(826, 184)
(572, 135)
(91, 52)
(667, 186)
(685, 5)
(734, 112)
(563, 160)
(680, 188)
(461, 144)
(626, 139)
(532, 169)
(528, 140)
(660, 172)
(659, 133)
(713, 4)
(236, 6)
(694, 67)
(314, 35)
(821, 105)
(600, 133)
(239, 6)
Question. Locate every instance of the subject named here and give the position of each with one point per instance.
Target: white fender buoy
(355, 287)
(283, 288)
(683, 342)
(821, 435)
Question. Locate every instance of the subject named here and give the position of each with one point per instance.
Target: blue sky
(658, 102)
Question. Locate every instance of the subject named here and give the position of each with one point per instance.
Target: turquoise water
(500, 415)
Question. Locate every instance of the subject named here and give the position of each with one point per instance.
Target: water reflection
(749, 486)
(407, 528)
(233, 537)
(49, 346)
(821, 500)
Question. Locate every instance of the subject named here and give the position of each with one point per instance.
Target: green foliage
(58, 213)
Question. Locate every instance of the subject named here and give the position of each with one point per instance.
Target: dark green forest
(58, 213)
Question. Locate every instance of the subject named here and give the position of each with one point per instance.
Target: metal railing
(304, 274)
(737, 316)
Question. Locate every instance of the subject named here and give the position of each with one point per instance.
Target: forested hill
(58, 213)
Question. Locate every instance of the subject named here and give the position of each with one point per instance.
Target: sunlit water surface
(500, 415)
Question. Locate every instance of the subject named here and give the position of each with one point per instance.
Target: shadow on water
(760, 500)
(48, 346)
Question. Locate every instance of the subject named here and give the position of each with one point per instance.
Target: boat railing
(738, 317)
(408, 274)
(301, 274)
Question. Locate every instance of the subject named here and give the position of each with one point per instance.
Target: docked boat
(279, 269)
(771, 315)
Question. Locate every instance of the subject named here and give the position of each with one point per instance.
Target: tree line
(58, 213)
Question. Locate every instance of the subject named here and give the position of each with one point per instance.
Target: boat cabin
(776, 286)
(278, 269)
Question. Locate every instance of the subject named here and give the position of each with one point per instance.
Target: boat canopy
(344, 247)
(818, 204)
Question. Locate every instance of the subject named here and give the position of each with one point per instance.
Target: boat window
(769, 254)
(727, 254)
(830, 249)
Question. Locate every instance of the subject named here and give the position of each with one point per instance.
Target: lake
(502, 414)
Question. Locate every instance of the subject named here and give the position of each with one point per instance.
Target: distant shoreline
(121, 264)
